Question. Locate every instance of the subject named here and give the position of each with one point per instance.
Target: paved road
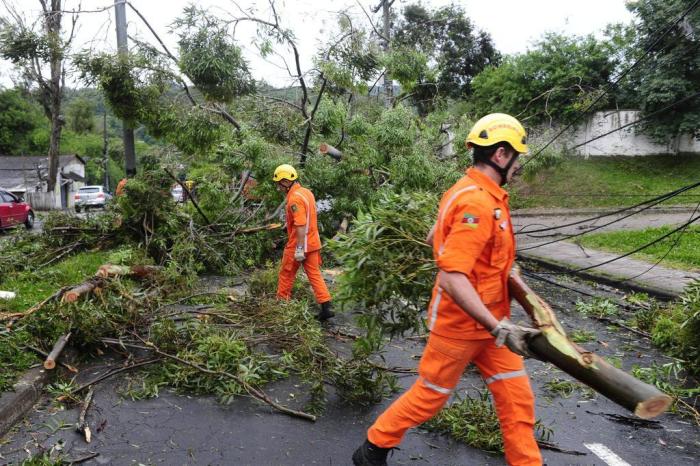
(177, 429)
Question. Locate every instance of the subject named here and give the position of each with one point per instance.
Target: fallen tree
(552, 345)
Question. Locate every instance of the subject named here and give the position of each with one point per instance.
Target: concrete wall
(626, 142)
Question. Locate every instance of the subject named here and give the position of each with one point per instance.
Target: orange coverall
(301, 212)
(473, 236)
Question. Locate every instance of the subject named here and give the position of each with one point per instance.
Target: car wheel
(29, 223)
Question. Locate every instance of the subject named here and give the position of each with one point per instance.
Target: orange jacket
(473, 236)
(301, 211)
(120, 187)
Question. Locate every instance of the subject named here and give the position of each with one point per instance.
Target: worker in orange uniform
(304, 244)
(468, 316)
(121, 186)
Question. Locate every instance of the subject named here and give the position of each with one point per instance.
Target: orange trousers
(441, 366)
(312, 267)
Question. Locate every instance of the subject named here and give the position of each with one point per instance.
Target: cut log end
(652, 407)
(49, 364)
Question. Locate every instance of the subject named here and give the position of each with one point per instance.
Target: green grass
(684, 255)
(34, 286)
(609, 181)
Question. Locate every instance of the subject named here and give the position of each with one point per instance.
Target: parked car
(13, 211)
(91, 196)
(177, 193)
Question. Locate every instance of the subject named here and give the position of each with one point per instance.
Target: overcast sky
(513, 24)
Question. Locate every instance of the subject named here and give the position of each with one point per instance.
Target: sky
(513, 24)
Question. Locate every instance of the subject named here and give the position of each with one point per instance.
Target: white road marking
(606, 454)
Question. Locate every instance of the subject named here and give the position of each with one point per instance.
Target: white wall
(628, 141)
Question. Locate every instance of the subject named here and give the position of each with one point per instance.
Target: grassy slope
(684, 255)
(609, 181)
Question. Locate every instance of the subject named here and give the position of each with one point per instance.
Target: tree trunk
(52, 22)
(325, 148)
(553, 346)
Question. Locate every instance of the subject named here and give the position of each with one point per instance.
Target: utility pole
(105, 150)
(122, 47)
(385, 5)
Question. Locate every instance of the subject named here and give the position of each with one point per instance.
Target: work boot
(326, 312)
(368, 454)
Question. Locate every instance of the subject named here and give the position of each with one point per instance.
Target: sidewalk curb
(14, 405)
(603, 277)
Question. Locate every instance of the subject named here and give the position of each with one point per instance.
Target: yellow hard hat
(498, 127)
(285, 172)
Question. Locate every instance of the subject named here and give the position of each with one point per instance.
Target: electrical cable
(616, 82)
(651, 243)
(598, 227)
(664, 196)
(645, 117)
(671, 248)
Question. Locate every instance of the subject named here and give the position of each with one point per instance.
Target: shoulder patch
(294, 208)
(471, 220)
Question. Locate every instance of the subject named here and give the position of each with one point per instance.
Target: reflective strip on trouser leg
(437, 388)
(441, 366)
(312, 267)
(504, 376)
(288, 272)
(507, 381)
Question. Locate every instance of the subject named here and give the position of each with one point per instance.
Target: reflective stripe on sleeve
(447, 207)
(504, 376)
(434, 309)
(308, 217)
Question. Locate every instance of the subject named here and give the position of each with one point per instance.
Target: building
(26, 176)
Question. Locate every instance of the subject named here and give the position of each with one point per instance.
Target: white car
(177, 193)
(91, 196)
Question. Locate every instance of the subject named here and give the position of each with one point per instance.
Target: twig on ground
(252, 391)
(114, 372)
(82, 426)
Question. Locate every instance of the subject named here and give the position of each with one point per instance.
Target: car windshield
(89, 190)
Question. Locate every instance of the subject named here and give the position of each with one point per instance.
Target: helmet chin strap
(502, 171)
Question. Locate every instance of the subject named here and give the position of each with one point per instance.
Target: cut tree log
(553, 346)
(137, 271)
(86, 287)
(50, 361)
(330, 150)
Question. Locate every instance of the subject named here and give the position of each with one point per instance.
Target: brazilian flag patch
(294, 208)
(471, 220)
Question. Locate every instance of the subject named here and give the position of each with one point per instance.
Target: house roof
(20, 173)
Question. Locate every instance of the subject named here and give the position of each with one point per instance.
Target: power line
(673, 246)
(635, 122)
(616, 82)
(651, 243)
(567, 237)
(665, 196)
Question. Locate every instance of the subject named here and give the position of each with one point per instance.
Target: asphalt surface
(179, 429)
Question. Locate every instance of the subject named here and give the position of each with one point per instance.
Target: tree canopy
(553, 81)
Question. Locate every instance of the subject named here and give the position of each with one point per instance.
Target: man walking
(468, 316)
(304, 243)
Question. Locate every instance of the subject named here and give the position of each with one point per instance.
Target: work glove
(515, 337)
(299, 255)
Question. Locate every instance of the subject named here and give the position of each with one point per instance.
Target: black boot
(326, 312)
(368, 454)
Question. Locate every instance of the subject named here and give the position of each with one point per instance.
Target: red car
(14, 212)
